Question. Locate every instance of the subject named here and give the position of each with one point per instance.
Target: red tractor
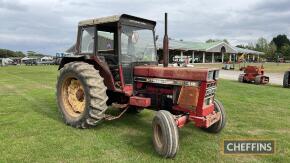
(115, 64)
(254, 74)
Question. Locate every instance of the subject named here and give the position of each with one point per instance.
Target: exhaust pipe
(165, 45)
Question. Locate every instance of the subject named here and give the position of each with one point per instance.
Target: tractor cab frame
(116, 44)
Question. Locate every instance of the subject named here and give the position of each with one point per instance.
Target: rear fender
(99, 65)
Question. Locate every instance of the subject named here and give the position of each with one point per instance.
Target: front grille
(210, 90)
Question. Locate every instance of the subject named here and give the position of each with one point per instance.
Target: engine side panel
(180, 73)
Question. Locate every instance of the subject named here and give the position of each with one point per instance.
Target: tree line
(278, 47)
(6, 53)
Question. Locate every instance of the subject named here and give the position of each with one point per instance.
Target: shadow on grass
(263, 85)
(48, 108)
(141, 137)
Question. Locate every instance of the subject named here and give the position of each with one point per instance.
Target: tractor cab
(119, 43)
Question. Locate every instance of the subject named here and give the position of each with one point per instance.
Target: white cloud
(50, 25)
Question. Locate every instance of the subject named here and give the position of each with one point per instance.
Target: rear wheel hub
(74, 97)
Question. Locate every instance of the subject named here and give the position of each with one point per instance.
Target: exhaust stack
(165, 45)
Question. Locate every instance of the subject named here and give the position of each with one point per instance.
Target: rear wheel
(165, 134)
(81, 95)
(219, 125)
(258, 79)
(286, 81)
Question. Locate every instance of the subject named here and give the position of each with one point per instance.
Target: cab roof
(115, 18)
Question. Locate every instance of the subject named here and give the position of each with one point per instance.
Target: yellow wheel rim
(73, 97)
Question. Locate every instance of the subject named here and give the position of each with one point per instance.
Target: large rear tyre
(165, 134)
(286, 81)
(81, 95)
(219, 125)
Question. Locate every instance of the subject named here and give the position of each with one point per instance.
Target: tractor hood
(177, 73)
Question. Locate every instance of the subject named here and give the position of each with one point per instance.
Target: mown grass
(269, 67)
(31, 129)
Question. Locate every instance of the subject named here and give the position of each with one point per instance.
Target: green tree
(226, 41)
(280, 41)
(271, 51)
(262, 45)
(285, 50)
(5, 53)
(250, 46)
(217, 40)
(34, 54)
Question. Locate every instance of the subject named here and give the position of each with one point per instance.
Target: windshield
(137, 45)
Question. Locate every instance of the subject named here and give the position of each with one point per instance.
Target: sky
(50, 26)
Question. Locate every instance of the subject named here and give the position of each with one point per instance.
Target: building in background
(192, 52)
(199, 52)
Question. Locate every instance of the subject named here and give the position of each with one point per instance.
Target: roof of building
(198, 46)
(248, 51)
(206, 47)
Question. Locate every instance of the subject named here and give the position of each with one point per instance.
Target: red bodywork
(181, 73)
(192, 99)
(140, 101)
(190, 103)
(255, 74)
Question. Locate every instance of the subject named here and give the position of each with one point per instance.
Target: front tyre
(81, 95)
(286, 82)
(165, 134)
(219, 125)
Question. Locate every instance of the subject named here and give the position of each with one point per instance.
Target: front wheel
(165, 134)
(219, 125)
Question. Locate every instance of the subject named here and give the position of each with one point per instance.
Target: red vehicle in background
(253, 74)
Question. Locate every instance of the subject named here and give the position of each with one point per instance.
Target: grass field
(269, 67)
(31, 129)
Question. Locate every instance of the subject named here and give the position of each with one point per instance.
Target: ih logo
(248, 146)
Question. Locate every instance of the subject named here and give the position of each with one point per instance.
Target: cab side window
(106, 42)
(87, 40)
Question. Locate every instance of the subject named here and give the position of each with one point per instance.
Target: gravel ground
(275, 78)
